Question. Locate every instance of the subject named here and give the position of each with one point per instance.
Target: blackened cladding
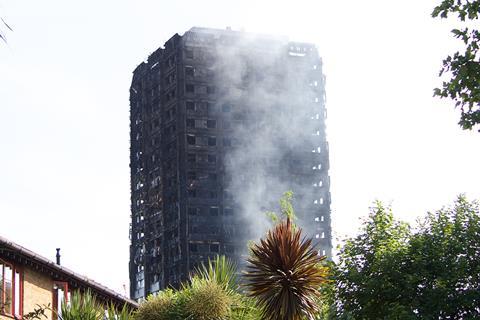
(221, 124)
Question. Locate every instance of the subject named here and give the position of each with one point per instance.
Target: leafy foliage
(389, 272)
(286, 209)
(464, 67)
(39, 312)
(369, 274)
(285, 274)
(445, 256)
(244, 308)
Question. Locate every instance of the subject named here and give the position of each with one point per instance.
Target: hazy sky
(64, 135)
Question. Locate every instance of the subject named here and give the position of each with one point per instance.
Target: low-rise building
(28, 280)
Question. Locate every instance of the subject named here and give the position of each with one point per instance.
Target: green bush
(244, 308)
(159, 307)
(212, 293)
(206, 300)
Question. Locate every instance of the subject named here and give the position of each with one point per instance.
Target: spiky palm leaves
(285, 273)
(82, 306)
(220, 270)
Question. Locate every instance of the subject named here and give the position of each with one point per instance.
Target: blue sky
(64, 136)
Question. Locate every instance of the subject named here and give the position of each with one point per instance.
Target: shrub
(206, 300)
(160, 307)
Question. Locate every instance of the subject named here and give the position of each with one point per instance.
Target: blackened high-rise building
(222, 123)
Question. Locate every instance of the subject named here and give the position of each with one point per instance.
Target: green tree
(389, 272)
(371, 277)
(445, 255)
(463, 67)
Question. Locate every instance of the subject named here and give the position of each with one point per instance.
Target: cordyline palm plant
(82, 306)
(284, 274)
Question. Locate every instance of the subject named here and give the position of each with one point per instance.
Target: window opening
(189, 71)
(11, 299)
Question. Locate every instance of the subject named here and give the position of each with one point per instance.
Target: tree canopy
(463, 67)
(391, 271)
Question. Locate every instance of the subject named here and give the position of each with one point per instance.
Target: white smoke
(272, 95)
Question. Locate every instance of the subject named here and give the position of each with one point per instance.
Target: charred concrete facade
(221, 124)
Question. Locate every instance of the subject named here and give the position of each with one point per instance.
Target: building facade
(29, 281)
(222, 123)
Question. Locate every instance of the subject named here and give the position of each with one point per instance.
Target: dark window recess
(194, 229)
(214, 211)
(170, 113)
(170, 78)
(202, 106)
(170, 95)
(210, 108)
(239, 116)
(192, 193)
(226, 107)
(212, 141)
(171, 61)
(212, 158)
(214, 247)
(213, 194)
(190, 123)
(155, 123)
(228, 211)
(189, 88)
(192, 211)
(193, 247)
(190, 139)
(190, 105)
(189, 71)
(210, 89)
(191, 158)
(189, 54)
(214, 230)
(200, 123)
(211, 124)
